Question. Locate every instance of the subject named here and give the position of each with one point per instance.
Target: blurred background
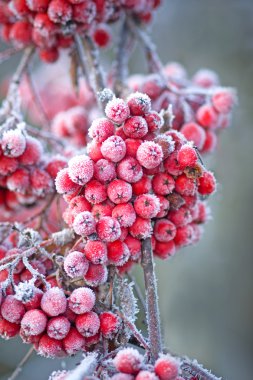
(205, 291)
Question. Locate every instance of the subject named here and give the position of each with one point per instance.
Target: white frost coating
(85, 368)
(105, 95)
(128, 302)
(63, 237)
(24, 291)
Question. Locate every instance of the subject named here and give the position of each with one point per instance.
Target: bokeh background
(205, 292)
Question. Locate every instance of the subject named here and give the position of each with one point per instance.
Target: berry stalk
(153, 316)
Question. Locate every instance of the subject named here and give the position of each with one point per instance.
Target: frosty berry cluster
(51, 24)
(201, 107)
(134, 183)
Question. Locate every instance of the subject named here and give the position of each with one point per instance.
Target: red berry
(109, 324)
(117, 110)
(82, 300)
(49, 55)
(154, 121)
(34, 322)
(84, 224)
(54, 302)
(223, 100)
(108, 229)
(58, 327)
(12, 310)
(102, 209)
(101, 129)
(104, 170)
(129, 170)
(102, 36)
(141, 229)
(96, 251)
(180, 217)
(84, 13)
(124, 213)
(21, 34)
(81, 169)
(184, 236)
(128, 360)
(167, 367)
(134, 246)
(113, 149)
(94, 150)
(75, 264)
(164, 230)
(207, 116)
(139, 104)
(210, 142)
(149, 154)
(132, 146)
(195, 133)
(207, 183)
(33, 152)
(49, 347)
(63, 183)
(119, 191)
(7, 329)
(13, 143)
(163, 184)
(187, 156)
(88, 324)
(147, 206)
(38, 5)
(60, 11)
(143, 186)
(135, 127)
(164, 250)
(96, 275)
(73, 342)
(146, 375)
(118, 253)
(185, 185)
(79, 204)
(95, 192)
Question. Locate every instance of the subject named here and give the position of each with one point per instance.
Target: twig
(137, 291)
(192, 369)
(153, 317)
(22, 67)
(8, 53)
(20, 365)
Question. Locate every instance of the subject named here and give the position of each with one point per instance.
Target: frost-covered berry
(184, 236)
(102, 36)
(185, 185)
(73, 342)
(88, 324)
(143, 186)
(117, 110)
(8, 329)
(118, 253)
(129, 170)
(119, 191)
(96, 251)
(132, 146)
(79, 204)
(82, 300)
(210, 142)
(37, 5)
(135, 127)
(165, 250)
(75, 264)
(154, 121)
(141, 228)
(128, 360)
(12, 310)
(166, 143)
(108, 229)
(19, 181)
(81, 169)
(147, 206)
(109, 324)
(84, 13)
(171, 165)
(139, 104)
(49, 347)
(58, 327)
(41, 182)
(207, 116)
(164, 230)
(195, 133)
(60, 11)
(34, 322)
(13, 143)
(113, 149)
(84, 224)
(63, 183)
(187, 156)
(104, 170)
(95, 192)
(163, 183)
(223, 100)
(149, 154)
(124, 213)
(205, 78)
(54, 302)
(122, 376)
(164, 206)
(180, 217)
(101, 129)
(167, 367)
(94, 150)
(102, 209)
(207, 183)
(96, 275)
(134, 246)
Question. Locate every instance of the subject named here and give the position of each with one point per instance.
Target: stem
(22, 67)
(153, 316)
(8, 53)
(20, 365)
(193, 369)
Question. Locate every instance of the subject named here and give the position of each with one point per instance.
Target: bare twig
(8, 53)
(20, 365)
(192, 369)
(153, 317)
(22, 67)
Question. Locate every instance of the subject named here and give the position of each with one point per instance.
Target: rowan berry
(124, 213)
(142, 186)
(185, 185)
(164, 250)
(167, 367)
(88, 324)
(34, 322)
(58, 327)
(128, 360)
(101, 129)
(139, 104)
(184, 236)
(132, 146)
(94, 150)
(108, 229)
(180, 217)
(95, 192)
(113, 149)
(60, 11)
(141, 228)
(164, 230)
(134, 246)
(207, 183)
(12, 309)
(96, 275)
(84, 224)
(8, 329)
(117, 110)
(54, 302)
(21, 34)
(82, 300)
(102, 36)
(207, 116)
(119, 191)
(104, 170)
(81, 169)
(79, 204)
(75, 264)
(49, 347)
(149, 154)
(118, 253)
(84, 13)
(109, 324)
(146, 375)
(195, 133)
(96, 251)
(135, 127)
(147, 206)
(102, 209)
(129, 170)
(13, 143)
(163, 183)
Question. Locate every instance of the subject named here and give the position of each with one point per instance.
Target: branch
(20, 365)
(85, 368)
(22, 67)
(8, 53)
(192, 369)
(153, 317)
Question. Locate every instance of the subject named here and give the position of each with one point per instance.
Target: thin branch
(137, 290)
(7, 54)
(20, 365)
(22, 67)
(153, 317)
(192, 369)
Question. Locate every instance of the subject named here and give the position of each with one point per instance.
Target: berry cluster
(133, 184)
(201, 108)
(26, 172)
(51, 24)
(131, 365)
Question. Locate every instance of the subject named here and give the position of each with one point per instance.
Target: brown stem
(153, 316)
